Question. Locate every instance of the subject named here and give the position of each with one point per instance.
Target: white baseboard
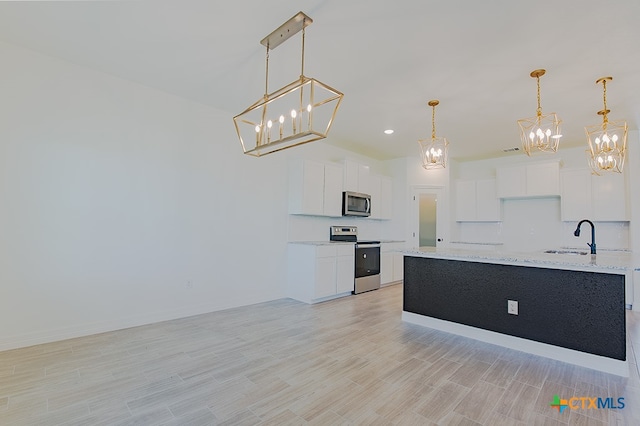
(81, 330)
(582, 359)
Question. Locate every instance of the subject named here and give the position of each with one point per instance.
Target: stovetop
(347, 234)
(363, 242)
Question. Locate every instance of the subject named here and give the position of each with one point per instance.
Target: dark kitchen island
(569, 309)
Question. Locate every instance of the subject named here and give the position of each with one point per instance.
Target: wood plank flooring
(350, 361)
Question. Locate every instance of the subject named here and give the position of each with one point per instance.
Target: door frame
(442, 208)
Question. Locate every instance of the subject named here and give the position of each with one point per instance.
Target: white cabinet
(511, 181)
(465, 200)
(319, 272)
(477, 201)
(356, 177)
(345, 269)
(332, 190)
(386, 198)
(391, 263)
(599, 198)
(315, 188)
(529, 180)
(543, 179)
(609, 197)
(575, 197)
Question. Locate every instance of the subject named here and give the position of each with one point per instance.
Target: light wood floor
(347, 361)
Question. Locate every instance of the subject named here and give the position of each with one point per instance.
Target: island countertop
(613, 262)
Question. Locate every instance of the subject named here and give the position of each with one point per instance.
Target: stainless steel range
(367, 255)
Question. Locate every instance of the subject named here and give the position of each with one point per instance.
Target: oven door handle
(368, 205)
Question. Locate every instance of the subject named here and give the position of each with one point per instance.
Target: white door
(428, 204)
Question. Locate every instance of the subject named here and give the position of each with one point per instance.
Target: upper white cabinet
(332, 190)
(356, 177)
(477, 201)
(385, 206)
(315, 188)
(529, 180)
(599, 198)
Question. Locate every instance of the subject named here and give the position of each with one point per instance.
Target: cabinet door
(608, 197)
(543, 179)
(511, 182)
(398, 267)
(386, 267)
(487, 202)
(575, 201)
(332, 190)
(372, 188)
(306, 187)
(345, 275)
(386, 198)
(355, 176)
(465, 200)
(325, 277)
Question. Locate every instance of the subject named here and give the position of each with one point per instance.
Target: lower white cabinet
(391, 263)
(319, 272)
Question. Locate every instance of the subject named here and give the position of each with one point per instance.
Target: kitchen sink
(574, 252)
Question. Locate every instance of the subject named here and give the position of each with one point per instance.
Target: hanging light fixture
(434, 151)
(542, 132)
(607, 141)
(295, 114)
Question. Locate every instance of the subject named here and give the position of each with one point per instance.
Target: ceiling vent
(515, 148)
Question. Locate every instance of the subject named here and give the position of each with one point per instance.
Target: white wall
(122, 205)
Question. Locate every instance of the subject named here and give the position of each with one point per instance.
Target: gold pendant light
(434, 151)
(295, 114)
(607, 141)
(542, 132)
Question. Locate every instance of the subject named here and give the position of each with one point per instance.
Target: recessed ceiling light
(388, 131)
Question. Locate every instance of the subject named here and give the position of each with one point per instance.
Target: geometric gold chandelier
(434, 151)
(542, 132)
(607, 141)
(295, 114)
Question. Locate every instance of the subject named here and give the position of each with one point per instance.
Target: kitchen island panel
(577, 310)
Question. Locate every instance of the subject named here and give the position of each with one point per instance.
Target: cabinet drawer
(345, 250)
(326, 251)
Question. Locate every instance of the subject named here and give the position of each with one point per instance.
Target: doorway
(428, 204)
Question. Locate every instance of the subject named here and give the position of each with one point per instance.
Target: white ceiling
(388, 58)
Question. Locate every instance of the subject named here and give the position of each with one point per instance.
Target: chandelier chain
(433, 122)
(539, 110)
(604, 101)
(266, 78)
(302, 62)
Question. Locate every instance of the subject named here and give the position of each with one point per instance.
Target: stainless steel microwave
(356, 204)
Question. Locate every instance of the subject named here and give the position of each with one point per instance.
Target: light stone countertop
(323, 243)
(612, 262)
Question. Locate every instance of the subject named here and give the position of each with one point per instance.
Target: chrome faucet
(593, 234)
